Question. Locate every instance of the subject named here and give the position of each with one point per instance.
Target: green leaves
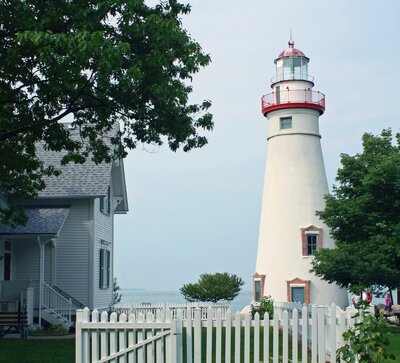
(95, 63)
(367, 341)
(266, 305)
(117, 296)
(363, 213)
(213, 288)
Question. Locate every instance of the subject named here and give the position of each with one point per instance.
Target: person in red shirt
(388, 302)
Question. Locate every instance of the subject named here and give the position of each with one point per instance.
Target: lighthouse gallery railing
(292, 97)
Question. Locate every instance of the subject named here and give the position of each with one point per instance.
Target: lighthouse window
(298, 294)
(286, 123)
(257, 290)
(312, 243)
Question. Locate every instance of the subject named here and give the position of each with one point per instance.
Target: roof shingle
(41, 221)
(76, 180)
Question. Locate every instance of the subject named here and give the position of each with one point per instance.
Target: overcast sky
(199, 212)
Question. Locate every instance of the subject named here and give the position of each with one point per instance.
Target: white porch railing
(310, 335)
(56, 303)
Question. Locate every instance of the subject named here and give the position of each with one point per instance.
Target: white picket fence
(309, 335)
(145, 308)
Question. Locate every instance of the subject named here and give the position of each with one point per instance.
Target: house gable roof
(76, 180)
(87, 180)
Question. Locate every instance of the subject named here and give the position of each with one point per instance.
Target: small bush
(58, 329)
(367, 341)
(266, 305)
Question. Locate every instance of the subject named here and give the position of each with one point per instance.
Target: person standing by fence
(388, 302)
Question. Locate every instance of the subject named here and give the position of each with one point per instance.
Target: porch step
(53, 318)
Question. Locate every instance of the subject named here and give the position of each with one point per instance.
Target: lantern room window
(292, 68)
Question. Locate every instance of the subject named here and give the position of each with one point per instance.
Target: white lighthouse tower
(294, 187)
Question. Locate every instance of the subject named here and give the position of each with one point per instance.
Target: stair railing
(56, 303)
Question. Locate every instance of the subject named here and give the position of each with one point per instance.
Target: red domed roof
(291, 51)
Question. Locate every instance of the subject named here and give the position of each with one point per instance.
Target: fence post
(103, 335)
(122, 338)
(314, 334)
(228, 335)
(332, 333)
(247, 325)
(342, 328)
(113, 336)
(266, 325)
(189, 335)
(256, 337)
(78, 336)
(175, 355)
(321, 334)
(304, 334)
(285, 336)
(275, 348)
(179, 325)
(209, 335)
(30, 302)
(237, 337)
(295, 335)
(197, 335)
(85, 336)
(218, 339)
(150, 356)
(95, 336)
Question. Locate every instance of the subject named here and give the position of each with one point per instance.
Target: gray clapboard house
(64, 255)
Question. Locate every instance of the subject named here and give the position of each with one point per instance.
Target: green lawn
(394, 344)
(62, 350)
(37, 350)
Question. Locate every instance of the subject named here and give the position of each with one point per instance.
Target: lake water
(136, 296)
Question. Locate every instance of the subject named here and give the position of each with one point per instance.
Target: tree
(117, 296)
(93, 63)
(363, 213)
(213, 288)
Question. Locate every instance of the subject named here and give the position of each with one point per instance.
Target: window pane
(297, 68)
(288, 69)
(108, 267)
(108, 199)
(279, 70)
(101, 265)
(298, 294)
(286, 123)
(257, 288)
(312, 243)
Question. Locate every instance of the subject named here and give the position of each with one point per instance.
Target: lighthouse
(294, 187)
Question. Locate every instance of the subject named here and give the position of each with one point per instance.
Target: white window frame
(105, 202)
